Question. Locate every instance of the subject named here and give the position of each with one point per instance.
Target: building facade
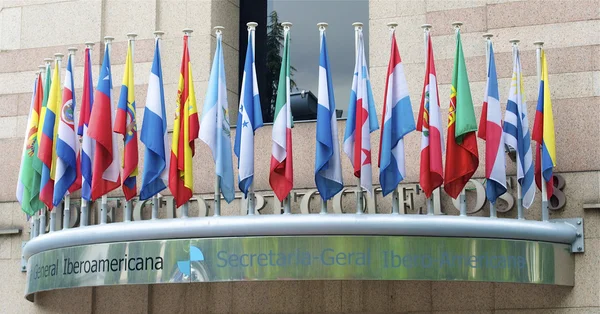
(33, 30)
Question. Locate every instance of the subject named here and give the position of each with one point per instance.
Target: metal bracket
(578, 246)
(23, 260)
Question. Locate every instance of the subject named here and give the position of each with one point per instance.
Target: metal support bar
(577, 246)
(155, 205)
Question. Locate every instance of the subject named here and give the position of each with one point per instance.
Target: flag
(185, 131)
(87, 143)
(155, 176)
(105, 166)
(543, 133)
(28, 186)
(249, 119)
(362, 120)
(490, 130)
(47, 153)
(215, 130)
(68, 171)
(397, 121)
(516, 132)
(328, 167)
(126, 124)
(462, 157)
(281, 175)
(429, 124)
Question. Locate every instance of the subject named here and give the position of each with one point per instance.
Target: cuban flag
(67, 143)
(362, 120)
(214, 129)
(397, 121)
(249, 119)
(328, 167)
(106, 161)
(516, 132)
(87, 143)
(490, 130)
(155, 177)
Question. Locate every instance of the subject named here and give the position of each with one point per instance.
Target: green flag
(465, 114)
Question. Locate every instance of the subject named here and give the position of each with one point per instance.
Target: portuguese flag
(461, 151)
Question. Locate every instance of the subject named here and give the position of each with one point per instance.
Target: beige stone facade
(31, 30)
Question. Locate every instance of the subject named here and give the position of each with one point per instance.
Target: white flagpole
(58, 57)
(250, 197)
(218, 32)
(155, 204)
(359, 206)
(35, 220)
(104, 205)
(520, 215)
(185, 207)
(538, 53)
(83, 221)
(426, 30)
(395, 196)
(42, 223)
(67, 201)
(322, 26)
(488, 43)
(129, 204)
(287, 201)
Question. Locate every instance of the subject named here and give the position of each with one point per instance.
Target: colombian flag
(125, 124)
(543, 132)
(49, 127)
(185, 131)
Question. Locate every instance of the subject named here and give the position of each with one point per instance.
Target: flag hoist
(155, 176)
(362, 120)
(249, 119)
(429, 123)
(185, 131)
(281, 176)
(126, 125)
(215, 129)
(328, 167)
(88, 144)
(106, 169)
(397, 122)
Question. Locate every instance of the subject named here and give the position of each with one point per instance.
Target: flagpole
(462, 197)
(218, 32)
(83, 221)
(104, 205)
(359, 206)
(322, 26)
(488, 43)
(395, 196)
(155, 203)
(58, 57)
(520, 215)
(426, 29)
(538, 54)
(42, 224)
(186, 206)
(129, 204)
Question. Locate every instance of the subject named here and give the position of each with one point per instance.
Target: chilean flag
(106, 162)
(490, 130)
(362, 120)
(397, 121)
(87, 143)
(429, 123)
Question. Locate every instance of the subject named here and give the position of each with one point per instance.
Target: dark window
(304, 53)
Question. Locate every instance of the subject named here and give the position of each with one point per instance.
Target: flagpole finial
(322, 26)
(48, 60)
(187, 31)
(286, 25)
(251, 25)
(538, 44)
(426, 27)
(488, 36)
(158, 34)
(41, 69)
(457, 25)
(357, 25)
(131, 36)
(219, 30)
(392, 25)
(72, 50)
(108, 39)
(89, 44)
(514, 42)
(58, 56)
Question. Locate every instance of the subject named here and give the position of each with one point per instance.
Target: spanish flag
(543, 133)
(185, 131)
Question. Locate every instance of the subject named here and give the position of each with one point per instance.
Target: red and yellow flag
(185, 131)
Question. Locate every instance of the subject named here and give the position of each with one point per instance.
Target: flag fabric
(328, 166)
(185, 131)
(28, 186)
(249, 119)
(490, 130)
(397, 121)
(543, 133)
(105, 166)
(126, 124)
(68, 171)
(155, 176)
(47, 153)
(462, 157)
(516, 132)
(88, 144)
(281, 175)
(362, 120)
(215, 130)
(429, 123)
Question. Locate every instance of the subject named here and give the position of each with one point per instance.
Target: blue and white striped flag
(249, 119)
(328, 167)
(155, 176)
(214, 127)
(516, 132)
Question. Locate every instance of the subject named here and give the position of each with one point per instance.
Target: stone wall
(31, 30)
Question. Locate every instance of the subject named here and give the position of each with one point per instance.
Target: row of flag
(53, 165)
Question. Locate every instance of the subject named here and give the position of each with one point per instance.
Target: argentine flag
(328, 168)
(249, 119)
(214, 129)
(155, 176)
